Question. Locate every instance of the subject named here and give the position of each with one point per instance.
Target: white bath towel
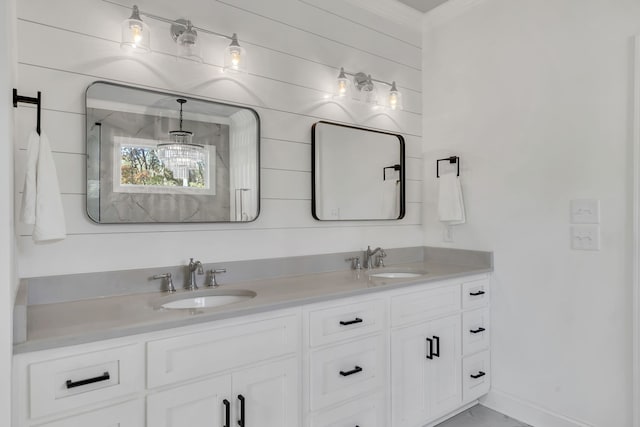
(41, 201)
(450, 202)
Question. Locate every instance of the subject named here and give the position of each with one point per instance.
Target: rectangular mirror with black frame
(357, 173)
(156, 157)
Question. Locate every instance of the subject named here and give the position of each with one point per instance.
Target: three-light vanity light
(364, 89)
(136, 36)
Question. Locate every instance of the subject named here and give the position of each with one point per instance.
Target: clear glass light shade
(369, 94)
(395, 98)
(343, 86)
(136, 35)
(235, 57)
(188, 44)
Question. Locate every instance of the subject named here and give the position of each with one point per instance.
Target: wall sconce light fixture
(136, 34)
(365, 90)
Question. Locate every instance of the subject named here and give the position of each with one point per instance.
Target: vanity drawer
(421, 305)
(475, 330)
(85, 379)
(328, 325)
(476, 376)
(195, 355)
(341, 372)
(475, 293)
(367, 412)
(129, 414)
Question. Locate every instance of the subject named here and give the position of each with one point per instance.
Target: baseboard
(527, 412)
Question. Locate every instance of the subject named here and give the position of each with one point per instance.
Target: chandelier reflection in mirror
(181, 155)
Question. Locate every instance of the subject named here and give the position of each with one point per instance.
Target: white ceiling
(423, 5)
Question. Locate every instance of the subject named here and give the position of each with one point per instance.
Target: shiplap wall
(295, 48)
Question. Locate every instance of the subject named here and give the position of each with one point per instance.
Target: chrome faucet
(168, 280)
(368, 254)
(193, 266)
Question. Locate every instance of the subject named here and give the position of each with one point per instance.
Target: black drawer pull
(477, 331)
(241, 420)
(351, 372)
(103, 377)
(437, 341)
(351, 322)
(476, 294)
(429, 348)
(227, 413)
(480, 374)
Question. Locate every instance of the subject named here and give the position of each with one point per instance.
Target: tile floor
(480, 416)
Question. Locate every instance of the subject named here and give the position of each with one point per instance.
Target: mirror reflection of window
(140, 170)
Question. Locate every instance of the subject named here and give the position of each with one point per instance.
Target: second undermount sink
(205, 299)
(397, 274)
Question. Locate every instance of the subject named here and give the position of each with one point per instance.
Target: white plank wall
(296, 48)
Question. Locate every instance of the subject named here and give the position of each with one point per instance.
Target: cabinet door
(425, 371)
(129, 414)
(269, 394)
(193, 405)
(410, 376)
(445, 385)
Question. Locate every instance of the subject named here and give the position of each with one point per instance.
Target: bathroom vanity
(339, 349)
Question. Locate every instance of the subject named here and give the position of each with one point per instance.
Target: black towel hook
(452, 160)
(27, 100)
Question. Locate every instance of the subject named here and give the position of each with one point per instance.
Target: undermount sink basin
(396, 275)
(205, 299)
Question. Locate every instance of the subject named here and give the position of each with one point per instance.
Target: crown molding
(448, 11)
(392, 10)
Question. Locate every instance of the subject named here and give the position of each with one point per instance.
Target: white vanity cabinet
(237, 372)
(403, 357)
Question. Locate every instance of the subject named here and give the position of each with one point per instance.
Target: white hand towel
(390, 198)
(450, 202)
(41, 201)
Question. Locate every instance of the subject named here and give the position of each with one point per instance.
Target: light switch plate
(585, 211)
(585, 237)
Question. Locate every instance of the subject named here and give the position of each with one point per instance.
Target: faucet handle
(212, 276)
(167, 276)
(355, 263)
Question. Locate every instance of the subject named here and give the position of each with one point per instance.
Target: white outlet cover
(585, 211)
(585, 237)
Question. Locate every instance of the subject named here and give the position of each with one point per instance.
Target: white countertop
(70, 323)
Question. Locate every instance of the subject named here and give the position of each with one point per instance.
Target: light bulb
(235, 58)
(136, 34)
(395, 98)
(342, 88)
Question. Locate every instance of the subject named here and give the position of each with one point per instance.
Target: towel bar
(27, 100)
(452, 160)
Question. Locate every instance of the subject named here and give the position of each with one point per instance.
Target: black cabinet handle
(476, 294)
(477, 331)
(227, 413)
(437, 341)
(480, 374)
(103, 377)
(351, 322)
(241, 420)
(429, 348)
(351, 372)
